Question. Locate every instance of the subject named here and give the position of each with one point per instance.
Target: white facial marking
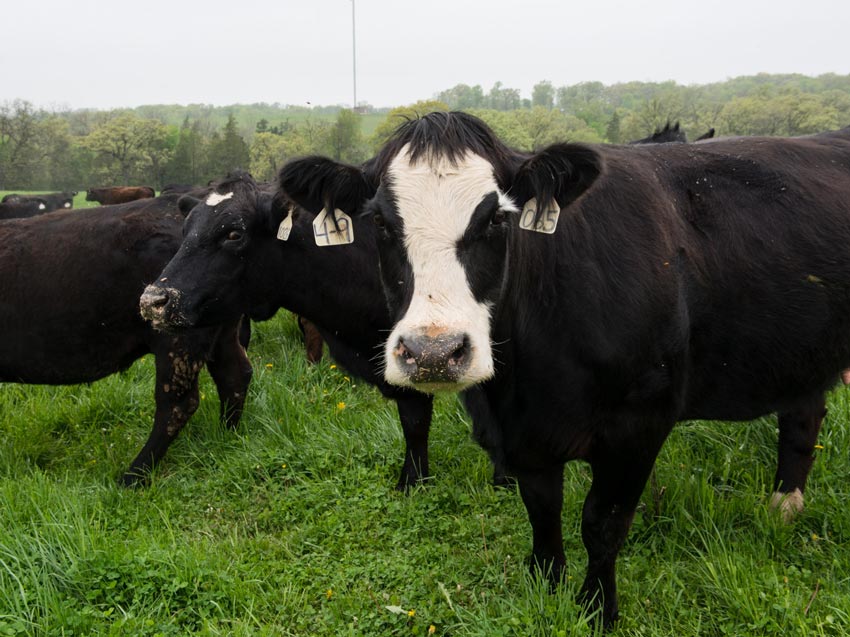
(67, 204)
(41, 206)
(435, 200)
(214, 198)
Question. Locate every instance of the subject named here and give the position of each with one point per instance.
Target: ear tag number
(285, 228)
(548, 220)
(327, 234)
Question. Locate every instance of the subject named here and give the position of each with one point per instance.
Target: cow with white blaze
(585, 298)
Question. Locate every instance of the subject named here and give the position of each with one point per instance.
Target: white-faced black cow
(69, 313)
(595, 295)
(237, 258)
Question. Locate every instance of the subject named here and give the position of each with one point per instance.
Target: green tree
(543, 94)
(612, 131)
(127, 148)
(344, 138)
(228, 151)
(462, 96)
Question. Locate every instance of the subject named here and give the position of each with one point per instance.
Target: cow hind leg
(176, 395)
(798, 433)
(414, 412)
(231, 372)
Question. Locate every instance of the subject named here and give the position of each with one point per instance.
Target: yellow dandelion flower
(329, 593)
(432, 629)
(411, 613)
(815, 537)
(346, 378)
(818, 446)
(340, 405)
(283, 466)
(333, 366)
(269, 365)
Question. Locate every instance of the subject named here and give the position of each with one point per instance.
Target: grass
(290, 526)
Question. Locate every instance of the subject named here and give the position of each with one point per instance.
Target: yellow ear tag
(285, 228)
(548, 220)
(327, 234)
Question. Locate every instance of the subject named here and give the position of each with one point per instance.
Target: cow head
(445, 195)
(224, 235)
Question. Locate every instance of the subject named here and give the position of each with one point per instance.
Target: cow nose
(153, 297)
(433, 359)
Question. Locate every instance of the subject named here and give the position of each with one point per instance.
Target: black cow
(671, 134)
(16, 208)
(232, 262)
(592, 296)
(51, 200)
(69, 313)
(119, 194)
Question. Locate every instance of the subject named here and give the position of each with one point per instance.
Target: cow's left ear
(561, 172)
(186, 203)
(317, 183)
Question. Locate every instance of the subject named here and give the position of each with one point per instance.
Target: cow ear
(317, 182)
(186, 203)
(561, 172)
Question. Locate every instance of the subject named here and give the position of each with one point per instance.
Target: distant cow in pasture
(119, 194)
(671, 134)
(14, 208)
(594, 295)
(69, 313)
(51, 200)
(246, 252)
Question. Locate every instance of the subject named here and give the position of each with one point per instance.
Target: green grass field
(291, 526)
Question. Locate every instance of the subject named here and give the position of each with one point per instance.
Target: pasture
(290, 525)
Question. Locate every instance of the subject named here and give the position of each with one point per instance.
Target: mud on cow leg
(798, 433)
(231, 371)
(176, 397)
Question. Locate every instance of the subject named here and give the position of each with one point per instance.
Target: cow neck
(337, 287)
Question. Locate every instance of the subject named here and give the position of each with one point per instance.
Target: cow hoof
(133, 480)
(789, 505)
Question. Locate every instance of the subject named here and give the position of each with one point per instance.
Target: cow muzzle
(437, 361)
(161, 306)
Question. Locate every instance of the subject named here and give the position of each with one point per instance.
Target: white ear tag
(285, 228)
(548, 220)
(327, 234)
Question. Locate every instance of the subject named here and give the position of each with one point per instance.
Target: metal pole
(354, 55)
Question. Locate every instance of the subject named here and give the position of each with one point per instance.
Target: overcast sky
(78, 54)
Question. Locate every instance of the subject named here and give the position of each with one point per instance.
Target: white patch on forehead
(67, 204)
(41, 206)
(435, 199)
(214, 198)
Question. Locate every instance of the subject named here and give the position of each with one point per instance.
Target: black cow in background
(237, 258)
(51, 200)
(69, 298)
(595, 295)
(16, 209)
(671, 134)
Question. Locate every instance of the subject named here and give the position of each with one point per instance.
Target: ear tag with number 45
(328, 234)
(548, 220)
(285, 228)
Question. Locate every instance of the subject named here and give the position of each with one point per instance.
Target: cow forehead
(436, 195)
(215, 198)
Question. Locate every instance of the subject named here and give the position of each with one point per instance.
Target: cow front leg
(176, 395)
(798, 433)
(620, 472)
(414, 411)
(543, 495)
(231, 372)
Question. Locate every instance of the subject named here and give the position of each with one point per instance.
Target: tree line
(161, 144)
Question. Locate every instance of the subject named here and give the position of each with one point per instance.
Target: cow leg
(542, 493)
(620, 472)
(313, 341)
(798, 433)
(414, 411)
(231, 371)
(176, 396)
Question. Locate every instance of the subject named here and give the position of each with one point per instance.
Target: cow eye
(378, 220)
(498, 217)
(234, 235)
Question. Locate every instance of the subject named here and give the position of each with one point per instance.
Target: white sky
(86, 53)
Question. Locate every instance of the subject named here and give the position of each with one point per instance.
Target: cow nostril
(460, 352)
(401, 351)
(157, 300)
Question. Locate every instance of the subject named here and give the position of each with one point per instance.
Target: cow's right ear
(561, 172)
(186, 203)
(318, 182)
